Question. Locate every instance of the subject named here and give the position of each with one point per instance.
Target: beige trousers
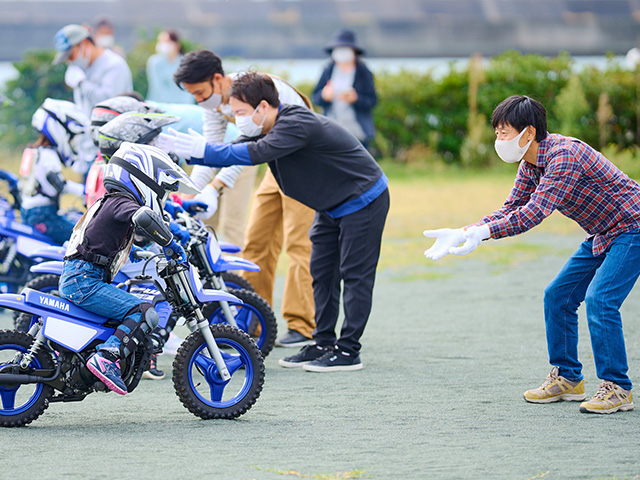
(276, 221)
(230, 220)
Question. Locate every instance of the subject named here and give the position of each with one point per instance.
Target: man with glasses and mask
(565, 174)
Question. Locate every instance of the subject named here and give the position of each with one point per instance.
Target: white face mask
(213, 102)
(509, 151)
(164, 48)
(105, 41)
(343, 55)
(246, 125)
(81, 60)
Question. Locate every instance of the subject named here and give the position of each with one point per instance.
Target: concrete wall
(299, 29)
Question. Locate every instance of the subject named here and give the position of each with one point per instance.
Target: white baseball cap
(67, 37)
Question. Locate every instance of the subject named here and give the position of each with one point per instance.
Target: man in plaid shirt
(565, 174)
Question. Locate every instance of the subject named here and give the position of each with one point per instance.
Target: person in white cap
(94, 73)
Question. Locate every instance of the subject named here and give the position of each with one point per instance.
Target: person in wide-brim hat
(344, 38)
(346, 90)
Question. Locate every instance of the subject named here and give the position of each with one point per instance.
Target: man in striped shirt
(562, 173)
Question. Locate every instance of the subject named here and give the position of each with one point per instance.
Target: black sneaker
(334, 361)
(293, 339)
(307, 354)
(153, 373)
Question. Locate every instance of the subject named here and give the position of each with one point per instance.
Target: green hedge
(420, 117)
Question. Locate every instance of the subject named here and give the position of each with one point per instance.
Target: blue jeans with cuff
(603, 283)
(84, 284)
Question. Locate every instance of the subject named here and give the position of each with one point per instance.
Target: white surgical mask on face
(510, 151)
(343, 55)
(81, 59)
(213, 102)
(105, 41)
(246, 125)
(164, 48)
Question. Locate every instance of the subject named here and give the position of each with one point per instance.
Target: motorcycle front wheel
(200, 387)
(22, 404)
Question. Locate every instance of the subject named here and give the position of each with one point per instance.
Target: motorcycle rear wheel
(198, 384)
(22, 404)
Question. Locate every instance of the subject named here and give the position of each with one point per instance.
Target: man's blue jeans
(603, 283)
(84, 284)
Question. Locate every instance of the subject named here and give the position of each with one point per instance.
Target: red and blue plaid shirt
(580, 183)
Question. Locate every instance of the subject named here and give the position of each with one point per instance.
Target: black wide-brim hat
(343, 38)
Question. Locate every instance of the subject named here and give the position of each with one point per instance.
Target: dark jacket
(364, 87)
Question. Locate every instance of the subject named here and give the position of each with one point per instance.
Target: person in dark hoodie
(346, 90)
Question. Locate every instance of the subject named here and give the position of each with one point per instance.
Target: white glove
(446, 238)
(474, 236)
(190, 145)
(166, 143)
(209, 195)
(74, 75)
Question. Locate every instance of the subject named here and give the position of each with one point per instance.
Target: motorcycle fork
(229, 311)
(201, 323)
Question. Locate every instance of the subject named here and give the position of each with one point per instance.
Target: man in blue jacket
(320, 164)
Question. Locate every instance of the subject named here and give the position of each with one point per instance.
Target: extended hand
(179, 232)
(446, 238)
(174, 249)
(187, 146)
(74, 75)
(208, 196)
(474, 236)
(195, 205)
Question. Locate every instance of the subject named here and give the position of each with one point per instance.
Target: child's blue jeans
(84, 284)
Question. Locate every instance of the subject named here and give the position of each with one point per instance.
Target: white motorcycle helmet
(108, 109)
(147, 173)
(62, 123)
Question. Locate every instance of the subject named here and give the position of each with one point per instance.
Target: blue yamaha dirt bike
(218, 371)
(252, 315)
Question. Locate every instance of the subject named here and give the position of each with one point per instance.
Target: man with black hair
(565, 174)
(200, 73)
(276, 222)
(321, 165)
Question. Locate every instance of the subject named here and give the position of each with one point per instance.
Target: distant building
(299, 29)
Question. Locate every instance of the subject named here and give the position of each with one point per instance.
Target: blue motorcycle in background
(18, 242)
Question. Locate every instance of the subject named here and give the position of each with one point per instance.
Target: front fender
(228, 247)
(52, 252)
(54, 267)
(229, 262)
